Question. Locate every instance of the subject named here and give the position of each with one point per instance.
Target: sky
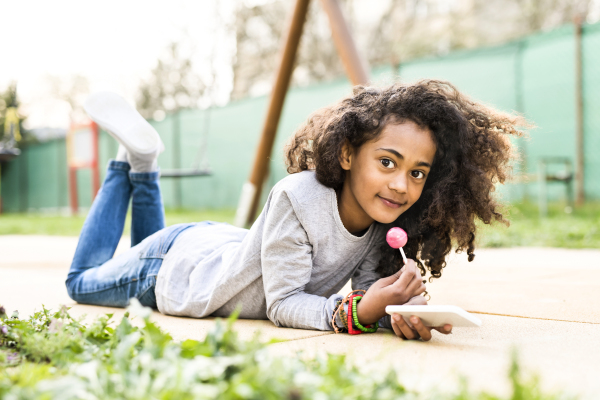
(113, 43)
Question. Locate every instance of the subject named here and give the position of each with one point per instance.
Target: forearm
(304, 311)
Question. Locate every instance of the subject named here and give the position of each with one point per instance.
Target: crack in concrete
(544, 319)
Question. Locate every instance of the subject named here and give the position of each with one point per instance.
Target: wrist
(365, 315)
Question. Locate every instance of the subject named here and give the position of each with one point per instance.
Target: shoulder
(303, 187)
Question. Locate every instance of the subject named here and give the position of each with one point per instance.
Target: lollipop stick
(403, 256)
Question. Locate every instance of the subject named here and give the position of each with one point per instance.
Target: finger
(417, 301)
(423, 331)
(415, 286)
(446, 329)
(395, 326)
(408, 332)
(407, 276)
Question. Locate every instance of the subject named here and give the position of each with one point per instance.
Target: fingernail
(396, 317)
(414, 320)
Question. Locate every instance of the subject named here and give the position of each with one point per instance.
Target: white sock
(143, 162)
(121, 154)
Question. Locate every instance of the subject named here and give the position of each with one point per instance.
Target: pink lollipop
(397, 238)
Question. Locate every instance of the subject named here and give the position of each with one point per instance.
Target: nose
(399, 183)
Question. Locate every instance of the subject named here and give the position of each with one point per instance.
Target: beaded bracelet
(339, 308)
(351, 311)
(369, 328)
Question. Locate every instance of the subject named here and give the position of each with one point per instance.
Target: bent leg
(116, 281)
(147, 210)
(104, 224)
(131, 274)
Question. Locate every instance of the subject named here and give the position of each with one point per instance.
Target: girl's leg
(103, 226)
(97, 278)
(94, 277)
(131, 274)
(147, 210)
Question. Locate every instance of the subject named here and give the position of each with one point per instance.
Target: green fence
(534, 76)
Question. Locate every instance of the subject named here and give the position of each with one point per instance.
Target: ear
(346, 156)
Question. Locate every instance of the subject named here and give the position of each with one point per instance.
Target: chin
(386, 218)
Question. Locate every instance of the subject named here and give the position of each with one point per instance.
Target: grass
(50, 355)
(46, 224)
(576, 230)
(579, 229)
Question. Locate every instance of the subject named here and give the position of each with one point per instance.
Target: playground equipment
(8, 145)
(82, 153)
(199, 167)
(546, 173)
(355, 68)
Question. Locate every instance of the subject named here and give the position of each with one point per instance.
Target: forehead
(408, 138)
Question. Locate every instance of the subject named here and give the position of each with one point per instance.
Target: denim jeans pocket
(160, 243)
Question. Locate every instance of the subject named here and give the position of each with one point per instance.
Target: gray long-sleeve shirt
(288, 267)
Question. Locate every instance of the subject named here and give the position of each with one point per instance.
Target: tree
(173, 85)
(9, 99)
(259, 30)
(402, 30)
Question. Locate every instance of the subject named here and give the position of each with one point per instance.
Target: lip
(391, 203)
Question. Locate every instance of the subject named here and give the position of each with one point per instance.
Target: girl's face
(385, 176)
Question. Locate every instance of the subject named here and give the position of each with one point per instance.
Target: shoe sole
(123, 122)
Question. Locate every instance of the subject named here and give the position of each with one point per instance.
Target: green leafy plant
(51, 355)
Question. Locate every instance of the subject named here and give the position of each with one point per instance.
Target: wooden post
(579, 134)
(355, 68)
(252, 189)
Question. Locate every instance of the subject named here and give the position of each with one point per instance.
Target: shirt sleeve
(286, 260)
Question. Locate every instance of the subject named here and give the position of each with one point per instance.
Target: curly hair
(474, 153)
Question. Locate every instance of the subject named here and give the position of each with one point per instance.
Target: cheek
(415, 193)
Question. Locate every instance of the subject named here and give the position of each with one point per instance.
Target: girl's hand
(395, 289)
(418, 330)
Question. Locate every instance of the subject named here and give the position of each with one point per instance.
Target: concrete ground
(543, 303)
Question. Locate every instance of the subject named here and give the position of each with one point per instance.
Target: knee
(70, 283)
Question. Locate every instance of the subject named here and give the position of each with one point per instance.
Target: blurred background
(201, 72)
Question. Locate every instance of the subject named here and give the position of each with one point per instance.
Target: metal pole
(520, 108)
(355, 68)
(579, 135)
(94, 166)
(252, 189)
(542, 199)
(176, 125)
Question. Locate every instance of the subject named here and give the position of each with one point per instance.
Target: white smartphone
(436, 316)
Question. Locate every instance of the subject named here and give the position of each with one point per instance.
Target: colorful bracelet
(345, 317)
(339, 305)
(351, 329)
(369, 328)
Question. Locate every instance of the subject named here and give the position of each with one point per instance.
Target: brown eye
(417, 174)
(387, 163)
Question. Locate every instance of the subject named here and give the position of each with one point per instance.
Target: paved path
(545, 303)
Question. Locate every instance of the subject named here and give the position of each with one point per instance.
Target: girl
(420, 156)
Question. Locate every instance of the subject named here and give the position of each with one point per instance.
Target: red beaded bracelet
(351, 329)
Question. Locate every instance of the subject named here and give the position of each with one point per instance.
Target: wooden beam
(356, 70)
(252, 189)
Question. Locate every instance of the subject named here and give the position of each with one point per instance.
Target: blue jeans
(95, 276)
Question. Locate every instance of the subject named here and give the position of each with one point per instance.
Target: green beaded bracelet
(355, 318)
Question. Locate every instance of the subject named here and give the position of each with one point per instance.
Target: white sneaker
(128, 127)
